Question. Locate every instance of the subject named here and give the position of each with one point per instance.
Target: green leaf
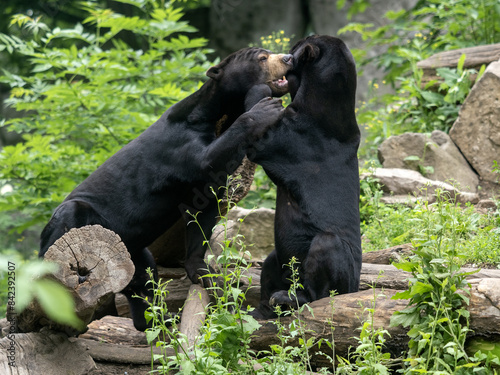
(461, 61)
(405, 320)
(57, 302)
(402, 295)
(406, 266)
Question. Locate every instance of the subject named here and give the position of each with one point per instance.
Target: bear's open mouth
(280, 84)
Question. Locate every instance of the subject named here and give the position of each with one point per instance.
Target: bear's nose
(287, 59)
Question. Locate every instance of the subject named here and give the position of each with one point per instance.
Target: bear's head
(325, 65)
(322, 85)
(248, 67)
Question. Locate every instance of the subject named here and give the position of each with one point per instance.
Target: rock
(437, 151)
(476, 132)
(399, 181)
(257, 228)
(487, 203)
(408, 200)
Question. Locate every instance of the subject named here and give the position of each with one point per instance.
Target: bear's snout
(287, 59)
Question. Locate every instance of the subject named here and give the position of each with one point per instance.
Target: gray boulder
(477, 129)
(435, 156)
(403, 183)
(256, 226)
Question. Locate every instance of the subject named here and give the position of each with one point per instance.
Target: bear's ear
(311, 52)
(215, 72)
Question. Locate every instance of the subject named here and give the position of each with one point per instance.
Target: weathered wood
(349, 310)
(115, 353)
(93, 265)
(179, 286)
(193, 314)
(380, 275)
(45, 352)
(51, 353)
(114, 330)
(474, 58)
(388, 256)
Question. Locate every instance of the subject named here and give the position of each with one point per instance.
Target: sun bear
(312, 158)
(173, 166)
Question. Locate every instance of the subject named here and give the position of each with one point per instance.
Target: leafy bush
(384, 226)
(436, 315)
(410, 36)
(88, 94)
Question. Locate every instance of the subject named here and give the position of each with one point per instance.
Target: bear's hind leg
(272, 280)
(331, 264)
(138, 286)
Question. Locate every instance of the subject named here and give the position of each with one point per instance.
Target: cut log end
(93, 265)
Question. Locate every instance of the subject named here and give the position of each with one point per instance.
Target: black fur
(149, 184)
(312, 158)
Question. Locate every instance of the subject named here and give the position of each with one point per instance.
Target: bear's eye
(262, 58)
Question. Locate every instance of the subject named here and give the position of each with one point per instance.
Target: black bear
(150, 183)
(312, 158)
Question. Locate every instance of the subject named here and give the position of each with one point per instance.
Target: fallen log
(346, 313)
(45, 352)
(48, 352)
(475, 57)
(395, 254)
(93, 265)
(114, 330)
(378, 275)
(193, 314)
(193, 317)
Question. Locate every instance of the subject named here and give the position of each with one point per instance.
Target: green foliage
(262, 193)
(277, 42)
(28, 281)
(476, 236)
(438, 294)
(224, 340)
(410, 36)
(368, 357)
(293, 359)
(88, 94)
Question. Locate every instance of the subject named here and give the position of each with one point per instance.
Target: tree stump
(93, 265)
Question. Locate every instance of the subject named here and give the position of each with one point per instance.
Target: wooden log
(114, 330)
(348, 312)
(387, 256)
(179, 286)
(474, 58)
(193, 314)
(116, 353)
(51, 353)
(379, 275)
(45, 352)
(93, 265)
